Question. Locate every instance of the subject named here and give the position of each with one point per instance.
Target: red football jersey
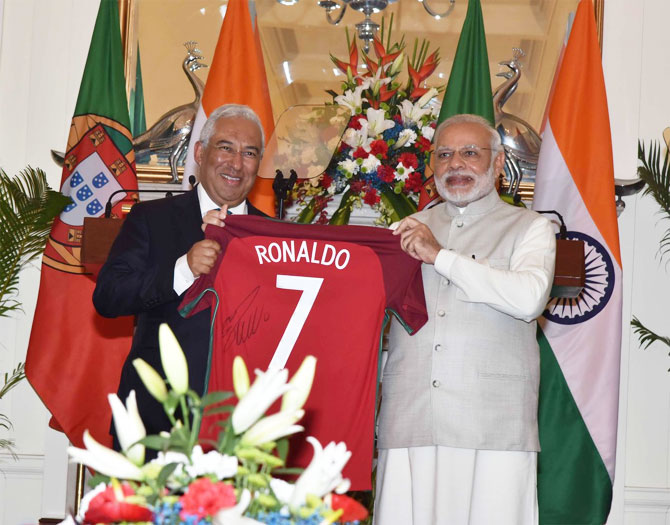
(285, 291)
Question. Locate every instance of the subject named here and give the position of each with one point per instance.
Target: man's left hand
(417, 240)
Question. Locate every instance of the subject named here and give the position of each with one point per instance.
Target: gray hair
(466, 118)
(230, 111)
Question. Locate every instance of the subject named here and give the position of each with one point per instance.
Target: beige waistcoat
(469, 378)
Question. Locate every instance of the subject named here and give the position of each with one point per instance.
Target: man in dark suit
(161, 250)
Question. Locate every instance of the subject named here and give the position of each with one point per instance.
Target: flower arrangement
(385, 148)
(235, 482)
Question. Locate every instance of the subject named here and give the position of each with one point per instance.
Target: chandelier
(367, 28)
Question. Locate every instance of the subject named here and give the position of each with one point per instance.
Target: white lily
(426, 97)
(357, 137)
(152, 381)
(428, 132)
(104, 460)
(377, 122)
(352, 100)
(324, 472)
(129, 426)
(173, 359)
(407, 137)
(240, 377)
(301, 383)
(273, 427)
(266, 389)
(412, 113)
(233, 515)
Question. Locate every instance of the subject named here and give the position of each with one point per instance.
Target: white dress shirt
(183, 277)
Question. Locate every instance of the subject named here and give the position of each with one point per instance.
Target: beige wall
(43, 49)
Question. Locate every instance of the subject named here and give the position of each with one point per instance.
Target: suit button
(440, 313)
(446, 282)
(438, 348)
(459, 224)
(436, 383)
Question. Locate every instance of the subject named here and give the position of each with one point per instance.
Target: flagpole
(78, 487)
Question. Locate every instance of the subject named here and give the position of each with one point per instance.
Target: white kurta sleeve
(522, 290)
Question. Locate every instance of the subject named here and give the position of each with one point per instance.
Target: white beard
(484, 184)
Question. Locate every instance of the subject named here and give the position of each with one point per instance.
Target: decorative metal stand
(282, 187)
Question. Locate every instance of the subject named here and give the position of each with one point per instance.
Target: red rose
(379, 148)
(353, 510)
(423, 144)
(360, 153)
(413, 182)
(105, 508)
(205, 498)
(409, 160)
(355, 121)
(385, 173)
(371, 197)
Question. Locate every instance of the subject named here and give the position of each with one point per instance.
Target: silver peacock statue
(169, 136)
(520, 140)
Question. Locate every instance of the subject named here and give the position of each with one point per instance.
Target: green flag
(138, 120)
(75, 356)
(469, 87)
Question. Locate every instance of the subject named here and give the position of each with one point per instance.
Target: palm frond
(13, 378)
(657, 177)
(27, 209)
(646, 336)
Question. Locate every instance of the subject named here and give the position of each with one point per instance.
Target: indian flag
(236, 76)
(580, 339)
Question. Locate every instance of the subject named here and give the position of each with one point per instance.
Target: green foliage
(646, 336)
(657, 177)
(27, 208)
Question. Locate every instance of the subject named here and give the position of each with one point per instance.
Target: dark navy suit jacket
(137, 279)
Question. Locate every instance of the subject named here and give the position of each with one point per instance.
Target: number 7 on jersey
(310, 287)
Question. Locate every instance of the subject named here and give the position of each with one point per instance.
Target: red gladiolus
(353, 510)
(385, 173)
(105, 508)
(423, 144)
(409, 160)
(360, 153)
(379, 147)
(205, 498)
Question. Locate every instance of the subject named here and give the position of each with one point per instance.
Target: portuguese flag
(580, 339)
(469, 87)
(75, 356)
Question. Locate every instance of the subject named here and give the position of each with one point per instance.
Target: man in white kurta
(458, 435)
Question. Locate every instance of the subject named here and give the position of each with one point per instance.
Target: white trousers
(454, 486)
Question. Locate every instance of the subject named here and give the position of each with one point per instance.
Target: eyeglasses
(469, 154)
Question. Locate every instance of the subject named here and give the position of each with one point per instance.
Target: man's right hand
(202, 256)
(215, 217)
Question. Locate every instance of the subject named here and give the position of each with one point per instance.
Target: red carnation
(409, 160)
(413, 182)
(326, 180)
(356, 186)
(360, 153)
(105, 508)
(385, 173)
(379, 148)
(371, 197)
(355, 121)
(343, 147)
(423, 144)
(205, 498)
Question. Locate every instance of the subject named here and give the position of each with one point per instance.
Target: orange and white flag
(236, 76)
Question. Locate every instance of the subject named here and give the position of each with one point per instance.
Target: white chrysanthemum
(370, 164)
(402, 172)
(349, 166)
(406, 138)
(212, 462)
